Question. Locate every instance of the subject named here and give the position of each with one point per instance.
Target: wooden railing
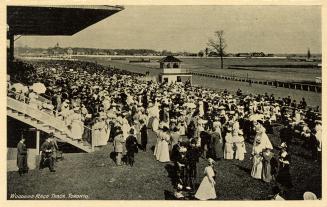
(296, 86)
(20, 103)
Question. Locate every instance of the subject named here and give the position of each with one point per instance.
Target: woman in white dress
(228, 149)
(96, 132)
(256, 171)
(206, 189)
(157, 148)
(164, 148)
(261, 134)
(33, 100)
(155, 124)
(240, 148)
(103, 139)
(77, 126)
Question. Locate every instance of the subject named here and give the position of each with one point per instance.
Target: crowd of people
(188, 122)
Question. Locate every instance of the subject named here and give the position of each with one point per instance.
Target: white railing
(174, 70)
(49, 118)
(44, 117)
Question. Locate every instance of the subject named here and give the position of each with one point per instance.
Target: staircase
(43, 121)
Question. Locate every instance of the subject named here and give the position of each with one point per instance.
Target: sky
(270, 29)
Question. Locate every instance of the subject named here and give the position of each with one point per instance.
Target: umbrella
(18, 87)
(39, 88)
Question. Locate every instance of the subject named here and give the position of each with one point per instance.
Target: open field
(313, 99)
(253, 68)
(96, 176)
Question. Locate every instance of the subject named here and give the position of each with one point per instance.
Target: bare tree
(219, 44)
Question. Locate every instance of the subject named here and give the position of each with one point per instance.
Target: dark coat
(175, 152)
(46, 148)
(131, 144)
(286, 135)
(284, 176)
(144, 135)
(205, 139)
(21, 156)
(217, 145)
(193, 154)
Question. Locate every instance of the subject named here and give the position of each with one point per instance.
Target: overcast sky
(270, 29)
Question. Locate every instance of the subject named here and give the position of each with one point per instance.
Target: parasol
(18, 87)
(38, 88)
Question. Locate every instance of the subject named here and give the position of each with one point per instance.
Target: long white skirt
(158, 149)
(206, 190)
(228, 151)
(77, 129)
(164, 152)
(239, 155)
(103, 139)
(257, 167)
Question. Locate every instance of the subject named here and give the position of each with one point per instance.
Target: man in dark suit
(47, 155)
(22, 157)
(193, 154)
(286, 134)
(131, 146)
(144, 135)
(205, 143)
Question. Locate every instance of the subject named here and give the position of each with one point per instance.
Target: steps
(42, 121)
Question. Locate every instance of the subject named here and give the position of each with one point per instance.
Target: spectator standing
(22, 157)
(131, 146)
(119, 146)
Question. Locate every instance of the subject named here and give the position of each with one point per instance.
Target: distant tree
(165, 53)
(219, 44)
(200, 54)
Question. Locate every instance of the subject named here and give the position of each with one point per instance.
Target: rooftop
(169, 58)
(55, 20)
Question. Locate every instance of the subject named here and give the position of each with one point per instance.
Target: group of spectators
(187, 121)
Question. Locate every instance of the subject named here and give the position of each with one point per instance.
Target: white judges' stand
(42, 121)
(171, 71)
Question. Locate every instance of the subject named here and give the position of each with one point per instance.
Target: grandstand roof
(55, 20)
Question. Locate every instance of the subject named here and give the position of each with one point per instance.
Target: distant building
(243, 55)
(258, 54)
(171, 71)
(80, 53)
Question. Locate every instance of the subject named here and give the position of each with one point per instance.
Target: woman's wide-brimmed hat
(309, 196)
(283, 145)
(211, 161)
